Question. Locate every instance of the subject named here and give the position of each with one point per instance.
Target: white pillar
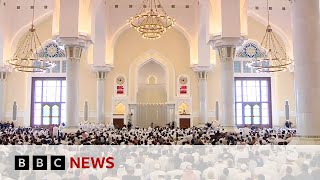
(102, 72)
(306, 45)
(73, 47)
(203, 32)
(2, 99)
(227, 54)
(227, 92)
(101, 76)
(72, 101)
(4, 70)
(203, 96)
(233, 15)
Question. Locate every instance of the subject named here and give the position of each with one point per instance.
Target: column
(101, 76)
(3, 76)
(230, 28)
(72, 80)
(76, 32)
(227, 54)
(203, 94)
(203, 32)
(133, 110)
(170, 113)
(306, 45)
(102, 72)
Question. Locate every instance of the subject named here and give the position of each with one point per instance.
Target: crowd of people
(176, 163)
(164, 162)
(100, 134)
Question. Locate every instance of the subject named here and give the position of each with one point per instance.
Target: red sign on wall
(183, 90)
(120, 90)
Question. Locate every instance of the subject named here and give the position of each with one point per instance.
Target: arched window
(252, 90)
(253, 101)
(152, 80)
(48, 101)
(56, 54)
(48, 92)
(244, 54)
(120, 109)
(184, 109)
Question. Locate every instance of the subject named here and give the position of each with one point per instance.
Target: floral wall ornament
(52, 50)
(251, 49)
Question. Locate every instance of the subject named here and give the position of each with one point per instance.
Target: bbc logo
(40, 163)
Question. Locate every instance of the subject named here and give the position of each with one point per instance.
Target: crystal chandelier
(151, 20)
(26, 58)
(276, 59)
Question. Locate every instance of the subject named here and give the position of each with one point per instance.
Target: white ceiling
(280, 15)
(20, 10)
(165, 3)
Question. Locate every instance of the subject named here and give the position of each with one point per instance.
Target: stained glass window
(251, 49)
(245, 54)
(56, 54)
(56, 68)
(237, 66)
(48, 101)
(253, 101)
(52, 50)
(64, 66)
(246, 68)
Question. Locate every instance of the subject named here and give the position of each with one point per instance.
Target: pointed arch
(251, 49)
(144, 59)
(115, 36)
(183, 108)
(152, 79)
(119, 109)
(51, 49)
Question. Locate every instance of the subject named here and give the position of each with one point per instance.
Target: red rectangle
(183, 90)
(120, 90)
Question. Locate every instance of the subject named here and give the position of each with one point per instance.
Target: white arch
(122, 108)
(125, 27)
(253, 41)
(182, 105)
(286, 40)
(18, 35)
(150, 77)
(23, 30)
(144, 59)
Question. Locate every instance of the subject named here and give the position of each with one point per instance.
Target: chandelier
(276, 59)
(151, 20)
(26, 58)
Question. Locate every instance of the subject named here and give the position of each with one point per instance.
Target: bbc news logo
(59, 162)
(40, 162)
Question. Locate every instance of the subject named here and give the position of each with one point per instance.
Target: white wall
(173, 47)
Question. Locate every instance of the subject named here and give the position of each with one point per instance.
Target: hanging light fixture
(26, 58)
(151, 20)
(276, 59)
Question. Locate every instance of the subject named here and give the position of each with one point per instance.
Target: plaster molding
(101, 68)
(197, 68)
(82, 40)
(6, 68)
(218, 41)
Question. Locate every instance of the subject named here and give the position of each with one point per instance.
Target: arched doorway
(152, 83)
(152, 94)
(118, 115)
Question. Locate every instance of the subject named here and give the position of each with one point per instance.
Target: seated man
(288, 124)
